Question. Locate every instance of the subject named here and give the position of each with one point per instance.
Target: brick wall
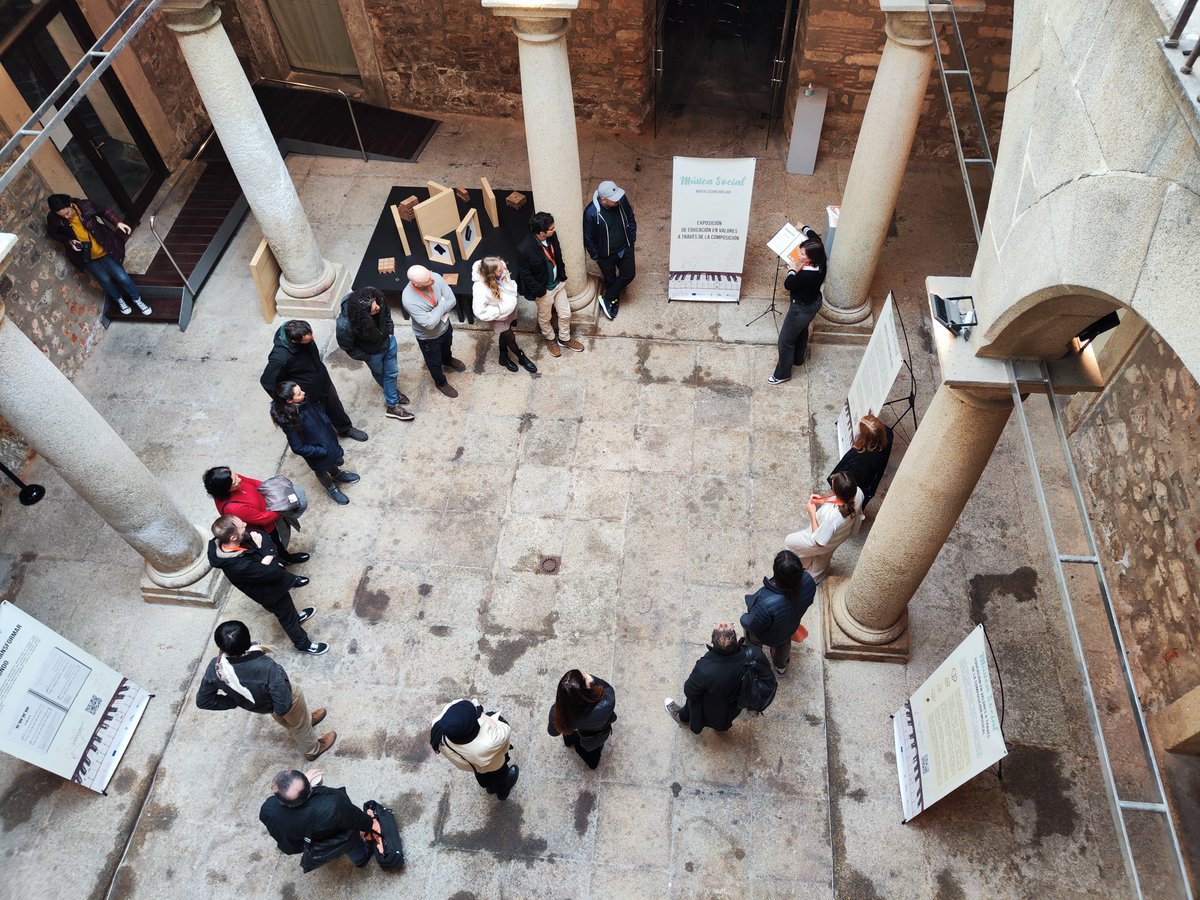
(1136, 451)
(839, 43)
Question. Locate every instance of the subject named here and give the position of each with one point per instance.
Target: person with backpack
(774, 611)
(730, 677)
(322, 823)
(366, 332)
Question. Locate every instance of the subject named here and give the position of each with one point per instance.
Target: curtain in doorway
(314, 35)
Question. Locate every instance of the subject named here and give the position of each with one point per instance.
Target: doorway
(102, 140)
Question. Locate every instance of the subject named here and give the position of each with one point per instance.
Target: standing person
(542, 278)
(711, 691)
(609, 230)
(85, 229)
(252, 565)
(295, 357)
(494, 299)
(478, 742)
(301, 807)
(239, 495)
(366, 332)
(243, 675)
(583, 712)
(310, 434)
(774, 611)
(804, 285)
(429, 302)
(867, 457)
(831, 520)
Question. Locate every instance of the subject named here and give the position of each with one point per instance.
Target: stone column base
(825, 331)
(209, 591)
(323, 305)
(839, 644)
(585, 298)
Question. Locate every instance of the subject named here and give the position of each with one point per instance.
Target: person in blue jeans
(93, 237)
(366, 332)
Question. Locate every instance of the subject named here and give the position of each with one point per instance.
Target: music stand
(771, 309)
(911, 399)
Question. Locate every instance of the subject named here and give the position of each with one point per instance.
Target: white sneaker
(673, 710)
(142, 307)
(123, 306)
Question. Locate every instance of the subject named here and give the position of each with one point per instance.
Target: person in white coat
(494, 299)
(831, 521)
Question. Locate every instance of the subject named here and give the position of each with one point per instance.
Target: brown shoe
(552, 346)
(318, 716)
(572, 345)
(447, 390)
(324, 742)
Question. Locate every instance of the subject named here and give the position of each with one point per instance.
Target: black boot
(506, 360)
(526, 362)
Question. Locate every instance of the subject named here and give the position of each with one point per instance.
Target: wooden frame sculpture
(439, 249)
(469, 233)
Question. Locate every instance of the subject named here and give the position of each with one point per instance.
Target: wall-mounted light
(957, 314)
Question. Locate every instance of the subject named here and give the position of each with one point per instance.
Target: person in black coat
(295, 357)
(542, 279)
(301, 807)
(310, 434)
(711, 691)
(583, 712)
(804, 285)
(244, 676)
(93, 238)
(867, 457)
(251, 562)
(774, 611)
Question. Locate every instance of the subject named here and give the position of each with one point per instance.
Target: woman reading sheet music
(806, 274)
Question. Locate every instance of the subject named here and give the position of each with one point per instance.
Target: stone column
(58, 422)
(866, 616)
(550, 139)
(310, 285)
(880, 157)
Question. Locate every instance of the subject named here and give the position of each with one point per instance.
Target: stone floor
(664, 471)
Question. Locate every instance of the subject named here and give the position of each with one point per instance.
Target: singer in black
(804, 285)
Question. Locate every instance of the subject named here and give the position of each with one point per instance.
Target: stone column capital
(190, 16)
(908, 29)
(532, 9)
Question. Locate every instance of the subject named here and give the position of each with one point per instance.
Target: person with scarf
(243, 676)
(583, 712)
(478, 742)
(93, 238)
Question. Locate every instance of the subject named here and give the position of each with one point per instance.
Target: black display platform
(500, 241)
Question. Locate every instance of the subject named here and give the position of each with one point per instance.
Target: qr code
(93, 704)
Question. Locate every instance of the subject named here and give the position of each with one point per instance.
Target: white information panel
(875, 376)
(61, 708)
(948, 732)
(710, 216)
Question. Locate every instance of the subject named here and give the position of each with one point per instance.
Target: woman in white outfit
(494, 299)
(831, 520)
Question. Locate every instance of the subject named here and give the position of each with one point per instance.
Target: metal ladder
(961, 71)
(1092, 558)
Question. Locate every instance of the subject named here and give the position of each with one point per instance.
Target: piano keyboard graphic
(723, 285)
(911, 729)
(97, 762)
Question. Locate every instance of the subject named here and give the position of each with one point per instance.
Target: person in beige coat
(494, 299)
(476, 741)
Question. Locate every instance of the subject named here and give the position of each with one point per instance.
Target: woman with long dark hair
(831, 519)
(310, 434)
(583, 712)
(806, 274)
(238, 495)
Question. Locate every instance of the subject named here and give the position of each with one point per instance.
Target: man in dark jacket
(295, 357)
(251, 562)
(609, 230)
(300, 808)
(366, 332)
(712, 688)
(85, 229)
(244, 676)
(542, 279)
(774, 611)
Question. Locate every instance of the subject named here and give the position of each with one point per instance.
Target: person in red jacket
(238, 495)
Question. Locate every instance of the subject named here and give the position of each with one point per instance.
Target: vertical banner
(877, 371)
(710, 217)
(947, 732)
(61, 708)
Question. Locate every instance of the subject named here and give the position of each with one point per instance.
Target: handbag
(283, 496)
(800, 634)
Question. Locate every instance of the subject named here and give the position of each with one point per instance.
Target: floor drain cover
(548, 565)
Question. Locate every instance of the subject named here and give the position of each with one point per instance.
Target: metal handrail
(163, 202)
(328, 90)
(1181, 22)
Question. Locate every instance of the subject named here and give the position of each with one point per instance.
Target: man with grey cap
(609, 230)
(429, 302)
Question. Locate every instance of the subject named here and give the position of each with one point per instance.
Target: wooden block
(398, 218)
(516, 200)
(406, 208)
(439, 249)
(438, 215)
(462, 194)
(469, 234)
(489, 203)
(436, 187)
(265, 272)
(387, 265)
(451, 278)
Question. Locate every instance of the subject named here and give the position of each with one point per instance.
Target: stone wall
(839, 43)
(1136, 453)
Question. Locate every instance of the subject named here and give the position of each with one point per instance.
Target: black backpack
(757, 690)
